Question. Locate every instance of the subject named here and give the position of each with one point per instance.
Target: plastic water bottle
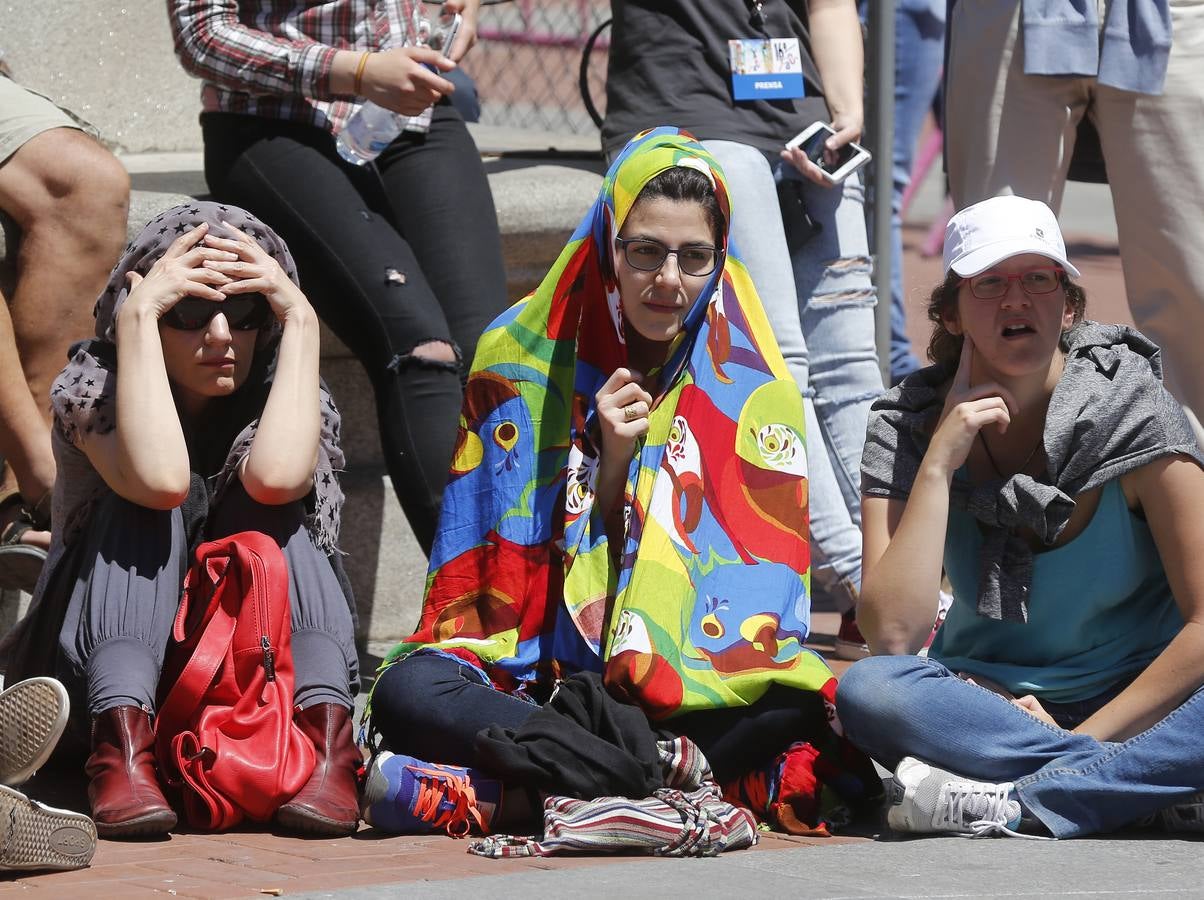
(368, 133)
(373, 128)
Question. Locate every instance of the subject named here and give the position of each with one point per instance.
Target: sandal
(21, 564)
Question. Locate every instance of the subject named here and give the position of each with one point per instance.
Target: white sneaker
(1185, 816)
(33, 714)
(34, 836)
(927, 800)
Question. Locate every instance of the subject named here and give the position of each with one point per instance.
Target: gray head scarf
(84, 395)
(159, 234)
(1109, 414)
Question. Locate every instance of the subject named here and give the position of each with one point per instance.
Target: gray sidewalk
(946, 867)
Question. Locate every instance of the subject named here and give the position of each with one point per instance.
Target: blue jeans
(811, 267)
(919, 51)
(896, 706)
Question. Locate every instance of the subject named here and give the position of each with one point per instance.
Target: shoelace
(436, 788)
(994, 818)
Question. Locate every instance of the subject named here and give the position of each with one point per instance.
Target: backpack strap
(196, 677)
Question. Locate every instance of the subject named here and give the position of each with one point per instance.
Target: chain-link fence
(527, 62)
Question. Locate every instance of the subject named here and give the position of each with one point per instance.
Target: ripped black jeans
(393, 256)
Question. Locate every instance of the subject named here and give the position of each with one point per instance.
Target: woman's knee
(435, 351)
(406, 696)
(877, 689)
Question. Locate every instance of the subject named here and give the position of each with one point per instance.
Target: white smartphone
(849, 158)
(443, 34)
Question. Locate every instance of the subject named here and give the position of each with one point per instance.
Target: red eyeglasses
(993, 285)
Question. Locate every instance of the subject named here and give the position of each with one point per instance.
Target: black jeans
(431, 707)
(391, 255)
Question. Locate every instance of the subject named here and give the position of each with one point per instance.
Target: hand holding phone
(833, 166)
(443, 33)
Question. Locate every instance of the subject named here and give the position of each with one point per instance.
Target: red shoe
(850, 644)
(123, 788)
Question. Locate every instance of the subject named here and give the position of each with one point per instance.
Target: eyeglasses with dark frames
(649, 255)
(1035, 281)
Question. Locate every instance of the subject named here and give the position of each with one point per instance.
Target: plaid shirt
(272, 58)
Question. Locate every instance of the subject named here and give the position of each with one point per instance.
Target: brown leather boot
(124, 790)
(329, 802)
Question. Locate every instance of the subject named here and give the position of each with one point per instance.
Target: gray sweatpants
(128, 590)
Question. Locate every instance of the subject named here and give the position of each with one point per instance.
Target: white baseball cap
(992, 230)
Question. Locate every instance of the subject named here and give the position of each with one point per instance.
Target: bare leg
(70, 197)
(24, 438)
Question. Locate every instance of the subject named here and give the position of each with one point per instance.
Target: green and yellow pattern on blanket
(709, 601)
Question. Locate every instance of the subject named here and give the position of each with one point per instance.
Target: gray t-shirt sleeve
(891, 456)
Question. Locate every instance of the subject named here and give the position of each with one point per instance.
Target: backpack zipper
(261, 606)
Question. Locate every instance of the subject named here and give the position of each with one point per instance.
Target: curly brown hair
(945, 347)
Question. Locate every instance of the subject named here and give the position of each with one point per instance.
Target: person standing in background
(1134, 70)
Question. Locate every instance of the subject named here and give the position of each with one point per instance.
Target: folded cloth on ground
(689, 819)
(582, 743)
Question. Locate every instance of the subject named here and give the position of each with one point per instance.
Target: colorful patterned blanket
(708, 603)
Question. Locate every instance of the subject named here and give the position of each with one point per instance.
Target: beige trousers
(1011, 133)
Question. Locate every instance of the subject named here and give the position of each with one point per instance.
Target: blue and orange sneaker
(405, 795)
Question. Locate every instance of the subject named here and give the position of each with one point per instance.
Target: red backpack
(224, 735)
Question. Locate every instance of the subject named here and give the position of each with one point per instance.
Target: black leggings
(392, 256)
(432, 707)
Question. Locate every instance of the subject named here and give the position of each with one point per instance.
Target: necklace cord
(994, 465)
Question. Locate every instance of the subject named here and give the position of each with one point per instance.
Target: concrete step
(385, 564)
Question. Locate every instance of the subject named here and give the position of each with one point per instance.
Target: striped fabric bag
(687, 817)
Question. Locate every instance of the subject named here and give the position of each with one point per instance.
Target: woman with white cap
(1041, 463)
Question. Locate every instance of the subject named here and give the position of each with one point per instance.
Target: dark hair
(687, 185)
(944, 347)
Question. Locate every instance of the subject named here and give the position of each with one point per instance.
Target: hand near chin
(182, 271)
(251, 270)
(966, 412)
(623, 408)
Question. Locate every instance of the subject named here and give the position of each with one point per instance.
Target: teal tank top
(1099, 609)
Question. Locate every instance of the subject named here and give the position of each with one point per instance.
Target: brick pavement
(258, 863)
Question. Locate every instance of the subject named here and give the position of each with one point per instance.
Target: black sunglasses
(243, 312)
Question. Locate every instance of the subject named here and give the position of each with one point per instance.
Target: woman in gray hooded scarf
(196, 412)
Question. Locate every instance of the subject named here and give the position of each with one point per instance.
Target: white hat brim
(982, 258)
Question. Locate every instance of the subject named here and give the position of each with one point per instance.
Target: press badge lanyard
(765, 69)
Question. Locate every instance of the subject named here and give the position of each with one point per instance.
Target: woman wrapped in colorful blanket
(629, 498)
